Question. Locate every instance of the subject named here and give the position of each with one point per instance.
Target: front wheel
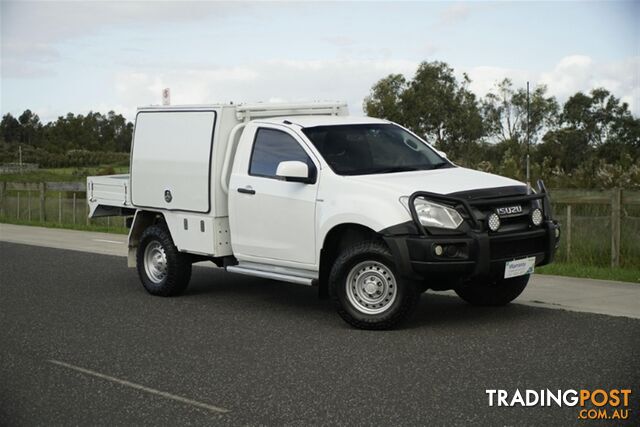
(493, 293)
(163, 270)
(368, 292)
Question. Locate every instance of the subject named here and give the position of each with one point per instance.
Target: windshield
(372, 148)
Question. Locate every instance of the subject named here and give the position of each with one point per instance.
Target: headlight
(434, 215)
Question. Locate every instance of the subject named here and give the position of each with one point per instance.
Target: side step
(284, 276)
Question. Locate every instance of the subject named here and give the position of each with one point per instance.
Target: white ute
(304, 193)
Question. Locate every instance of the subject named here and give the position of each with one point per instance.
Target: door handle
(247, 190)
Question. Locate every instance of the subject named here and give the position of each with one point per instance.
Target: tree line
(591, 141)
(71, 140)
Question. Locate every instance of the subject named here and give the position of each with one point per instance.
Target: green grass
(82, 227)
(622, 274)
(59, 174)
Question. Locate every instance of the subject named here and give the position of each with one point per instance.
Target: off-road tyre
(367, 265)
(173, 279)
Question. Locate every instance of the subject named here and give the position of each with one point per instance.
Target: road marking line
(141, 387)
(107, 241)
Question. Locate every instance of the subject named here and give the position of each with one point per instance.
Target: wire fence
(599, 228)
(53, 203)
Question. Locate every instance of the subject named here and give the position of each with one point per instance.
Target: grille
(509, 223)
(502, 248)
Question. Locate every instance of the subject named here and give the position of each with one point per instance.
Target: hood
(440, 181)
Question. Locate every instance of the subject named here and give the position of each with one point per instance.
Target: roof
(311, 121)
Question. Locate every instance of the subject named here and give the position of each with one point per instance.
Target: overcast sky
(79, 56)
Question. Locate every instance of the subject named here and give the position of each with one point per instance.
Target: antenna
(528, 142)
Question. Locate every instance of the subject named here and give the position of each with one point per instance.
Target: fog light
(493, 221)
(438, 250)
(452, 251)
(536, 216)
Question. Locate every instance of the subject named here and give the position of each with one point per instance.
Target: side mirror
(294, 170)
(442, 154)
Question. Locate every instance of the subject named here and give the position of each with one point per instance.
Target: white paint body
(281, 227)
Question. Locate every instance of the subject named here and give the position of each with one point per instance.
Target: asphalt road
(81, 343)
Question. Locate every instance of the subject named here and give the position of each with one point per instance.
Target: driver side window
(271, 147)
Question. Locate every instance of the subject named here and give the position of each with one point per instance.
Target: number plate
(519, 267)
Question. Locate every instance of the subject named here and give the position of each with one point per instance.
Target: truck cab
(360, 207)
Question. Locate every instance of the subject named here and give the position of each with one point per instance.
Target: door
(271, 218)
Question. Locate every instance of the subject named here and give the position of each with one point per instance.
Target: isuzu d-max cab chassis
(360, 207)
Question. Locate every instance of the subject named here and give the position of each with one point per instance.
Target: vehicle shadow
(437, 309)
(434, 309)
(216, 283)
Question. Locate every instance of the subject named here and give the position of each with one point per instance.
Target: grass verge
(622, 274)
(80, 227)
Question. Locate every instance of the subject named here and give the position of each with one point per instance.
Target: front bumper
(477, 253)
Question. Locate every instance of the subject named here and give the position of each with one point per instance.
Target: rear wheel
(493, 293)
(163, 270)
(368, 292)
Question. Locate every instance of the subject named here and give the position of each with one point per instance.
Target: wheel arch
(337, 238)
(141, 221)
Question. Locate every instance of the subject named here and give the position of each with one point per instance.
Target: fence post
(568, 232)
(43, 201)
(3, 190)
(616, 198)
(74, 208)
(60, 207)
(18, 207)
